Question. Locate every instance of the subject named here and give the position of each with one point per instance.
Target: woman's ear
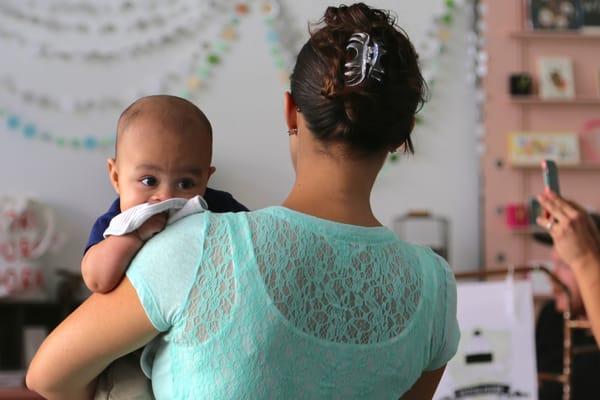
(211, 171)
(290, 110)
(113, 174)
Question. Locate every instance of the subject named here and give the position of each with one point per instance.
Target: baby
(163, 150)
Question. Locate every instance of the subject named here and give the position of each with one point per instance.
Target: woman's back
(280, 304)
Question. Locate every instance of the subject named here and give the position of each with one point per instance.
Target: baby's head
(163, 150)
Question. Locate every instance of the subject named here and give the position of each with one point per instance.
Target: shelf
(527, 230)
(534, 100)
(18, 394)
(571, 167)
(553, 35)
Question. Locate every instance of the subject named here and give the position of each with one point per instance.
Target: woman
(311, 299)
(577, 242)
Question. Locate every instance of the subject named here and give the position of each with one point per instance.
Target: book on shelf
(530, 148)
(591, 16)
(554, 14)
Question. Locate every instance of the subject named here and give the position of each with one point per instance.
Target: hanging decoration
(479, 67)
(155, 25)
(183, 22)
(283, 41)
(201, 73)
(120, 22)
(201, 61)
(29, 130)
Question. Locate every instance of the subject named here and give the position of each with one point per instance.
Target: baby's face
(154, 164)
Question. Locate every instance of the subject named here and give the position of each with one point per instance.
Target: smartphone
(550, 172)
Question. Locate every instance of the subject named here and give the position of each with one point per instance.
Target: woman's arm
(577, 241)
(104, 328)
(425, 386)
(587, 273)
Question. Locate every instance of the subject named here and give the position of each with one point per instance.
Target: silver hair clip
(367, 61)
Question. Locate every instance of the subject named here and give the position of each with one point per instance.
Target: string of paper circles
(154, 26)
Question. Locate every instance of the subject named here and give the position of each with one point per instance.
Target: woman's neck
(334, 190)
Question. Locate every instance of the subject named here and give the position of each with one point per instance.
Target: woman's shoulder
(434, 265)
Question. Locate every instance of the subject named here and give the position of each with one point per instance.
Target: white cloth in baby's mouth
(131, 219)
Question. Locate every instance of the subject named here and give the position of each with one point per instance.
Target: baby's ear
(113, 174)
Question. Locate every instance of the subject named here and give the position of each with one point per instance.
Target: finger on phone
(551, 208)
(542, 221)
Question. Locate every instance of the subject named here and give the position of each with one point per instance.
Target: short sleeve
(96, 234)
(164, 270)
(447, 332)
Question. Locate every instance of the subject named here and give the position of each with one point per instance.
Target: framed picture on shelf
(556, 79)
(554, 14)
(591, 15)
(529, 148)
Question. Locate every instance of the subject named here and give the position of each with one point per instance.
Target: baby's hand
(152, 226)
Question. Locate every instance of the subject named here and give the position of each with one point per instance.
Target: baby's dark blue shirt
(218, 201)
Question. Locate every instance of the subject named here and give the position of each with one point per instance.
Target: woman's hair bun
(378, 113)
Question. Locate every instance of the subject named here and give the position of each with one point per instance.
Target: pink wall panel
(508, 53)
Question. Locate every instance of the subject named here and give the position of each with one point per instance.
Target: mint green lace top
(276, 304)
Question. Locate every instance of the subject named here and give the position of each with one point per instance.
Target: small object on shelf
(530, 148)
(554, 14)
(27, 232)
(516, 215)
(593, 168)
(591, 15)
(556, 78)
(534, 100)
(423, 228)
(533, 210)
(527, 230)
(590, 142)
(521, 84)
(555, 35)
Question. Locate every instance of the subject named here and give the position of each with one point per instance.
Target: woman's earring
(292, 131)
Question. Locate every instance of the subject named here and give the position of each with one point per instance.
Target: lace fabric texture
(337, 289)
(284, 305)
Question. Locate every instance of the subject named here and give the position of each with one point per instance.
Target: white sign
(496, 353)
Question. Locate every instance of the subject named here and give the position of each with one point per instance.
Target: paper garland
(29, 130)
(283, 46)
(201, 60)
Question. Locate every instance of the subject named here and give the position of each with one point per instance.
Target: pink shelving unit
(512, 48)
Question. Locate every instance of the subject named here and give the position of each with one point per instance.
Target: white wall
(244, 102)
